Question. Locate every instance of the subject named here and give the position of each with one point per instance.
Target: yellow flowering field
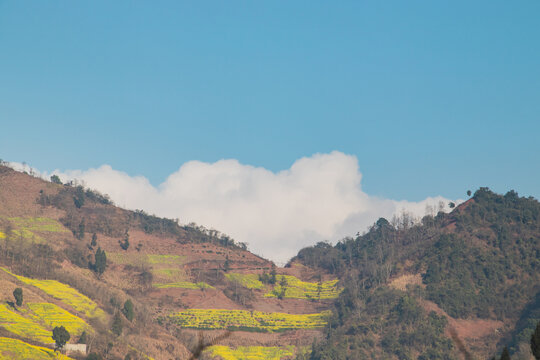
(39, 224)
(247, 320)
(2, 235)
(299, 289)
(252, 352)
(26, 227)
(184, 285)
(53, 315)
(19, 325)
(13, 349)
(66, 294)
(250, 281)
(295, 288)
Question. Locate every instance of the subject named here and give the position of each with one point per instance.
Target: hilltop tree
(60, 336)
(469, 192)
(128, 310)
(535, 342)
(55, 179)
(18, 295)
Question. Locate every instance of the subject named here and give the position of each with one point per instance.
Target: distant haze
(277, 213)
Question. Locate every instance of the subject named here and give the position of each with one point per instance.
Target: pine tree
(128, 310)
(94, 240)
(101, 261)
(535, 342)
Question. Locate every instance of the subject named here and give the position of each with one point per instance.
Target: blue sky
(433, 98)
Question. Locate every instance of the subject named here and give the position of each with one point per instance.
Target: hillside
(187, 285)
(458, 285)
(130, 285)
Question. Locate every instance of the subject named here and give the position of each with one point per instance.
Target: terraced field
(247, 320)
(29, 227)
(53, 315)
(252, 352)
(13, 349)
(250, 281)
(19, 325)
(298, 289)
(38, 224)
(184, 285)
(66, 294)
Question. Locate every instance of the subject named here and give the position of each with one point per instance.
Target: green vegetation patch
(184, 285)
(13, 349)
(251, 352)
(247, 320)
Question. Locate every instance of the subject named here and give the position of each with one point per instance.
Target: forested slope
(458, 285)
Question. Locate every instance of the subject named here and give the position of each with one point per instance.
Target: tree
(469, 192)
(227, 265)
(80, 232)
(505, 355)
(273, 275)
(101, 261)
(78, 199)
(55, 179)
(125, 243)
(451, 204)
(60, 336)
(18, 295)
(82, 338)
(128, 310)
(283, 284)
(94, 240)
(535, 342)
(116, 327)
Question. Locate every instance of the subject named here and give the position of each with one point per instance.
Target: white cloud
(318, 198)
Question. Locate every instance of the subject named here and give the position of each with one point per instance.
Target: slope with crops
(126, 283)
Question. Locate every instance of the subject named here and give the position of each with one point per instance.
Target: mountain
(130, 285)
(134, 286)
(458, 285)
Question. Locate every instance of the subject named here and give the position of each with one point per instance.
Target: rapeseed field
(247, 320)
(252, 352)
